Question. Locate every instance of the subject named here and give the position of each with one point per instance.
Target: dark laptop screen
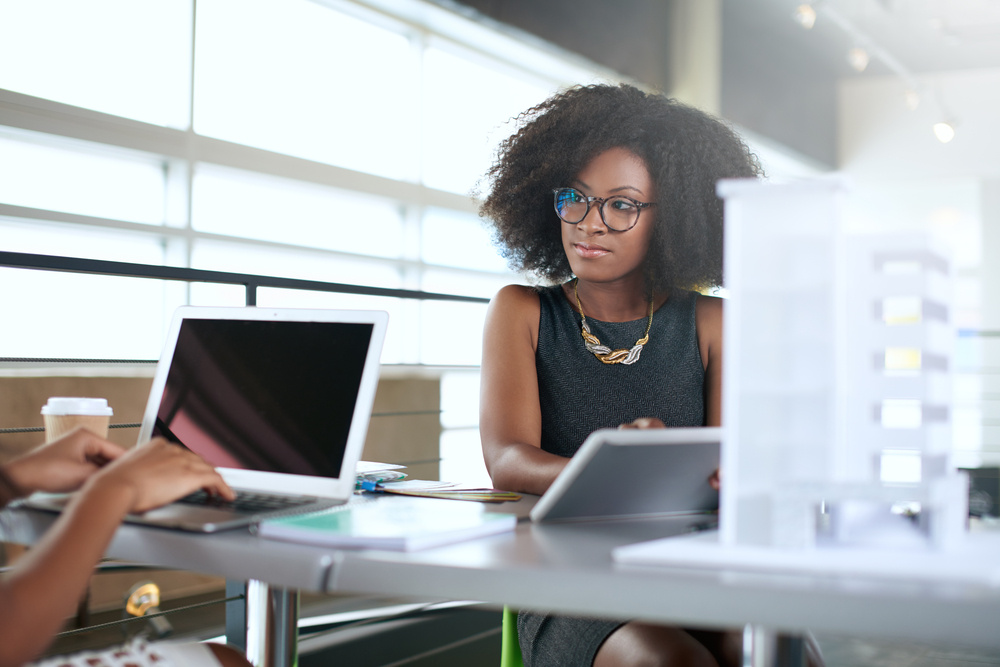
(264, 395)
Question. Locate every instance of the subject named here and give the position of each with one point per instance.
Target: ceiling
(778, 79)
(922, 36)
(781, 80)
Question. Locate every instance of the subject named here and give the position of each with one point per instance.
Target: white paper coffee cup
(62, 414)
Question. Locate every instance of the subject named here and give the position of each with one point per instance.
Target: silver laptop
(277, 399)
(636, 473)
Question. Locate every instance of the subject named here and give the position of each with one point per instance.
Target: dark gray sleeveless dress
(580, 394)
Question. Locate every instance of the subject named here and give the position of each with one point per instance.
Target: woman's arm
(708, 321)
(510, 419)
(45, 585)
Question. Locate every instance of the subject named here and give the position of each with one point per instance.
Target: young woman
(42, 589)
(608, 194)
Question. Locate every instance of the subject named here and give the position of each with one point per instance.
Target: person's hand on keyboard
(155, 474)
(43, 588)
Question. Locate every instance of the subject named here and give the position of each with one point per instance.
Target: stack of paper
(396, 523)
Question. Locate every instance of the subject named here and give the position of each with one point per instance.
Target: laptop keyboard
(247, 502)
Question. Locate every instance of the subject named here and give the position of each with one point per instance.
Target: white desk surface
(568, 568)
(233, 554)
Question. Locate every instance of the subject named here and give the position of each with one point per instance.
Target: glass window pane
(467, 106)
(274, 209)
(467, 284)
(214, 294)
(72, 179)
(462, 458)
(261, 260)
(121, 57)
(67, 315)
(395, 350)
(451, 333)
(76, 241)
(460, 399)
(449, 238)
(295, 77)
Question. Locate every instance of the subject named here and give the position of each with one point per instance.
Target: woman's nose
(592, 223)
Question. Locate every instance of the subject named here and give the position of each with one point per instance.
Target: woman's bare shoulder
(513, 312)
(516, 300)
(709, 307)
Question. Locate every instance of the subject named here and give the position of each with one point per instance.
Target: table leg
(236, 614)
(791, 651)
(758, 647)
(766, 648)
(272, 625)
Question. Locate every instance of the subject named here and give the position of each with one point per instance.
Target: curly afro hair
(685, 150)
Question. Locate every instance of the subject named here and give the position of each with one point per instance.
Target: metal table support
(763, 647)
(272, 625)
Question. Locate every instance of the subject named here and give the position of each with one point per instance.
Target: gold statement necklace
(603, 352)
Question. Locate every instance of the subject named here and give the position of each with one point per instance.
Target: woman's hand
(157, 473)
(44, 587)
(644, 422)
(63, 464)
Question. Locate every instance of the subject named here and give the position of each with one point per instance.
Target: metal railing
(250, 282)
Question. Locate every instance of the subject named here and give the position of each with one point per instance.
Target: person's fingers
(100, 452)
(159, 472)
(715, 479)
(218, 487)
(644, 422)
(197, 473)
(209, 478)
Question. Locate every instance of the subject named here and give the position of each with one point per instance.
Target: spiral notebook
(395, 524)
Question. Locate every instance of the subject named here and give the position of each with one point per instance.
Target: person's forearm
(525, 469)
(46, 584)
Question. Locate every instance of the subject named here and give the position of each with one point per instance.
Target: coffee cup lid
(64, 405)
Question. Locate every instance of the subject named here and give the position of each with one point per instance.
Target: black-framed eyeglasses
(618, 213)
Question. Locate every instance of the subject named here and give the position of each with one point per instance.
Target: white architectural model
(835, 401)
(836, 395)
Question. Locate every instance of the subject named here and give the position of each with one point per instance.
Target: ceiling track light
(944, 131)
(858, 58)
(805, 15)
(865, 50)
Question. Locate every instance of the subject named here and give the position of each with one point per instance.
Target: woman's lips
(589, 251)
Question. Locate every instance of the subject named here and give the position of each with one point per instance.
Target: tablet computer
(634, 473)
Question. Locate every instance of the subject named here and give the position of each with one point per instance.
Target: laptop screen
(275, 396)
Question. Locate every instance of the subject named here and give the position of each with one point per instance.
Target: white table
(561, 567)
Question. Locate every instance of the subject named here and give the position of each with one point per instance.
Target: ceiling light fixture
(944, 131)
(805, 16)
(865, 50)
(858, 58)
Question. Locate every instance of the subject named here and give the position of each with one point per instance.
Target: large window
(328, 140)
(333, 140)
(131, 59)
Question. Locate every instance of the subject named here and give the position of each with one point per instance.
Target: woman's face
(595, 252)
